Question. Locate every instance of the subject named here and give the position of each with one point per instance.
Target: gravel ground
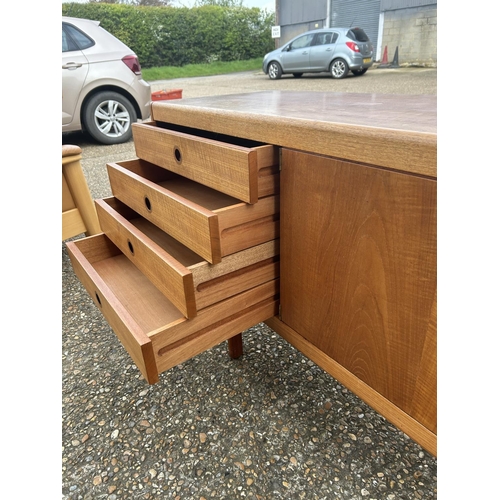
(271, 425)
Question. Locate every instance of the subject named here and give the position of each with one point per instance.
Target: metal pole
(328, 12)
(277, 7)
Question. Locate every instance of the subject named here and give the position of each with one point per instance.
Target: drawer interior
(201, 269)
(148, 307)
(174, 248)
(194, 192)
(206, 134)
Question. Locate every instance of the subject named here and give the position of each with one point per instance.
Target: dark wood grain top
(393, 131)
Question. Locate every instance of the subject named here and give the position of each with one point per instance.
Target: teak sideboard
(313, 212)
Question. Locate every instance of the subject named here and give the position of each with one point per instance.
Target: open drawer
(150, 327)
(186, 279)
(210, 223)
(244, 169)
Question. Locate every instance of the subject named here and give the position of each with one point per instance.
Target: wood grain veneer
(237, 168)
(210, 223)
(363, 285)
(153, 331)
(394, 131)
(187, 280)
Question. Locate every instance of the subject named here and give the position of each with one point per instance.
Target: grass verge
(192, 70)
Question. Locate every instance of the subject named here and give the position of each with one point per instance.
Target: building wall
(297, 16)
(300, 11)
(413, 32)
(410, 26)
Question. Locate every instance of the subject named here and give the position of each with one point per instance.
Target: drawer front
(187, 280)
(171, 277)
(210, 292)
(242, 169)
(83, 254)
(152, 330)
(188, 222)
(199, 342)
(190, 212)
(218, 316)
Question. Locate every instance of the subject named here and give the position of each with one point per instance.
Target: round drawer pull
(178, 155)
(98, 298)
(148, 203)
(130, 247)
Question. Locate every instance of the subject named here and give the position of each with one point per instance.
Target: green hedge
(172, 36)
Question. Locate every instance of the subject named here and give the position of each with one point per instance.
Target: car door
(74, 71)
(322, 50)
(296, 55)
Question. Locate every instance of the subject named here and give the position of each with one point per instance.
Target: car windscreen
(358, 35)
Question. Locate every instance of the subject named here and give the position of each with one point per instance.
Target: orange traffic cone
(384, 57)
(385, 61)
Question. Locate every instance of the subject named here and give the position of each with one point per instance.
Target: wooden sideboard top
(393, 131)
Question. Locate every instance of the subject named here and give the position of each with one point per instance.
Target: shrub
(173, 36)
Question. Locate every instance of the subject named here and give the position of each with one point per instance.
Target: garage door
(357, 13)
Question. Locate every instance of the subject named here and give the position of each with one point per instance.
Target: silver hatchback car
(103, 91)
(337, 50)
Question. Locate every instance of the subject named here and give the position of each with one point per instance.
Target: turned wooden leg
(235, 346)
(80, 193)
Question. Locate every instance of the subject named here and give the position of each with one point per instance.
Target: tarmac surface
(270, 425)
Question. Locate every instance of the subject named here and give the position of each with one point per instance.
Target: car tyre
(274, 71)
(297, 75)
(108, 117)
(339, 69)
(359, 72)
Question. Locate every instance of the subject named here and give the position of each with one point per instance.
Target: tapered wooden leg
(235, 346)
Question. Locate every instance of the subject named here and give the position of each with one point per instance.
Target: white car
(103, 92)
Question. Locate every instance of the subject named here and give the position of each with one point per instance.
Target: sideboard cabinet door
(358, 273)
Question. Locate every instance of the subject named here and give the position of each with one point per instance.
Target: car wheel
(274, 71)
(339, 68)
(359, 72)
(297, 75)
(108, 118)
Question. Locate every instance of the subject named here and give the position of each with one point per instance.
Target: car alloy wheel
(274, 71)
(339, 68)
(109, 117)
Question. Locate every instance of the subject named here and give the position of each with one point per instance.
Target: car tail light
(353, 46)
(133, 63)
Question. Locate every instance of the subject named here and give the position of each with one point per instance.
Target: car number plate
(366, 60)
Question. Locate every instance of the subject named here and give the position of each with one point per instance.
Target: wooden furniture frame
(78, 211)
(355, 213)
(358, 182)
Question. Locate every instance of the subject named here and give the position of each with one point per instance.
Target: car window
(74, 39)
(358, 35)
(325, 38)
(67, 43)
(303, 41)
